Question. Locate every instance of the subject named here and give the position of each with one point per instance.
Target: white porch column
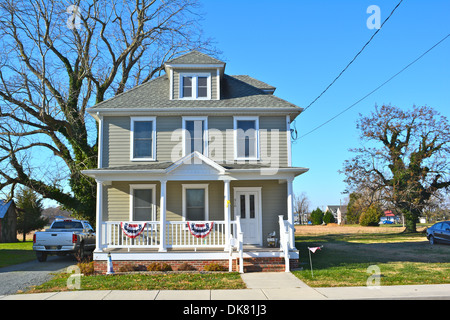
(290, 213)
(99, 218)
(227, 211)
(162, 213)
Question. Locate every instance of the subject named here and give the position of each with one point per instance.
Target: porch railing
(177, 235)
(285, 242)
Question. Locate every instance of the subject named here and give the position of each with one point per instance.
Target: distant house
(339, 212)
(8, 221)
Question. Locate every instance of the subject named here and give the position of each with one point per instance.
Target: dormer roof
(231, 94)
(195, 57)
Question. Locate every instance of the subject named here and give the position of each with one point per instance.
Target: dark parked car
(439, 232)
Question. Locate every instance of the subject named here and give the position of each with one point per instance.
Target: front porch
(177, 246)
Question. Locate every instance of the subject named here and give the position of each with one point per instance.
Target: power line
(354, 58)
(377, 88)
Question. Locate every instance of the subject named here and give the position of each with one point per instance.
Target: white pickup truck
(64, 237)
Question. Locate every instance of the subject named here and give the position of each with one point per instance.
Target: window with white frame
(143, 138)
(142, 202)
(246, 138)
(195, 135)
(195, 86)
(195, 202)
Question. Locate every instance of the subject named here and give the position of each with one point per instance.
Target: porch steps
(261, 265)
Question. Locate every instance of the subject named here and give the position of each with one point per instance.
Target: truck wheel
(41, 256)
(80, 252)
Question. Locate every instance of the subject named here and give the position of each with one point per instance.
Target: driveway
(32, 273)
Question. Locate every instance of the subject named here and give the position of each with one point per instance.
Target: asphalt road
(24, 275)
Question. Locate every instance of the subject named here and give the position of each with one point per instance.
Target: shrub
(131, 268)
(371, 216)
(214, 267)
(86, 268)
(186, 267)
(328, 217)
(159, 267)
(317, 216)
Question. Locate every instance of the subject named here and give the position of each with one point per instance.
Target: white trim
(199, 156)
(195, 77)
(218, 84)
(171, 84)
(99, 218)
(258, 190)
(195, 186)
(257, 151)
(100, 141)
(132, 121)
(199, 255)
(196, 66)
(205, 133)
(141, 187)
(288, 140)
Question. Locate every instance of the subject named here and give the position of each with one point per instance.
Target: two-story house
(195, 166)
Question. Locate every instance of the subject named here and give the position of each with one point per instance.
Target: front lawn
(16, 252)
(402, 259)
(163, 281)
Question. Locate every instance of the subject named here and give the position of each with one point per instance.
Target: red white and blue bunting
(200, 229)
(132, 230)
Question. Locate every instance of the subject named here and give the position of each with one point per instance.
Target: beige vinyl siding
(116, 137)
(117, 205)
(273, 142)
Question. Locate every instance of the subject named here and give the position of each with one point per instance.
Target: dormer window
(195, 86)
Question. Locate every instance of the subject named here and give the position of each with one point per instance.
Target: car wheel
(41, 256)
(431, 239)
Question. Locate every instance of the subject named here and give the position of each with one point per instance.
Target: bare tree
(301, 204)
(405, 158)
(57, 58)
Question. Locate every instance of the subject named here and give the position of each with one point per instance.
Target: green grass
(17, 252)
(402, 259)
(164, 281)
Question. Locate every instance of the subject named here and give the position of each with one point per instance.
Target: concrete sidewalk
(260, 286)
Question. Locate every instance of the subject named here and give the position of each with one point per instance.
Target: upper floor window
(195, 86)
(246, 138)
(143, 138)
(195, 136)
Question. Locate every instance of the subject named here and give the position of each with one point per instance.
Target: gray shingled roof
(236, 92)
(165, 165)
(194, 57)
(254, 82)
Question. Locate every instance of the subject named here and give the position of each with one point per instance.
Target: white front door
(247, 205)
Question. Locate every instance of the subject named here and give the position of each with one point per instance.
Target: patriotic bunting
(132, 230)
(200, 229)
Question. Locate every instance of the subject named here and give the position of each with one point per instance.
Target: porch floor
(247, 248)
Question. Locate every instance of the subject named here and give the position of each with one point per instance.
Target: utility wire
(377, 88)
(354, 58)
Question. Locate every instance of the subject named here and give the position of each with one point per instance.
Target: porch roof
(162, 168)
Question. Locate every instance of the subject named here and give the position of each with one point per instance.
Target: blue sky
(300, 46)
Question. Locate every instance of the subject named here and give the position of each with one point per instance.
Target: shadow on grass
(342, 249)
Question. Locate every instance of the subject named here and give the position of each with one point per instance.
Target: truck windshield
(67, 225)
